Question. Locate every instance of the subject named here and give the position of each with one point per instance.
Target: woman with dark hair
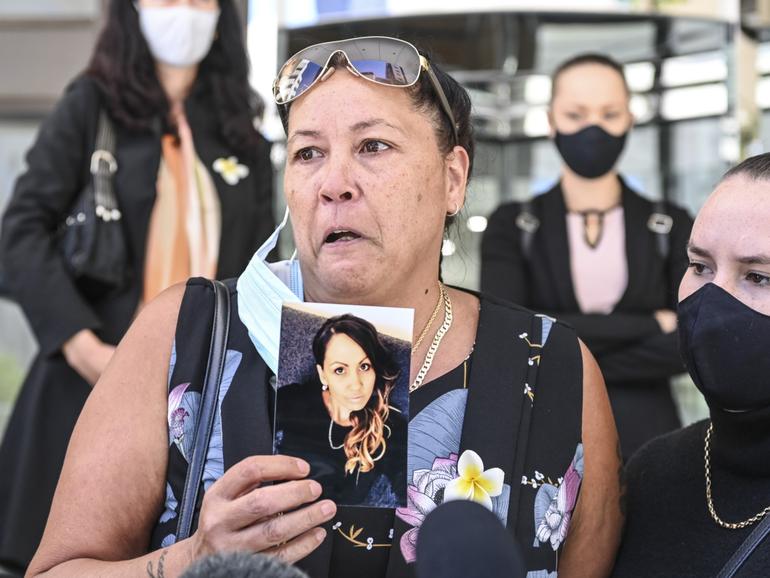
(350, 434)
(194, 188)
(596, 254)
(698, 497)
(506, 408)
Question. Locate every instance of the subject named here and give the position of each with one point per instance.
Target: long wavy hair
(366, 442)
(125, 69)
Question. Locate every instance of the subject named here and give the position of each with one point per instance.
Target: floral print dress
(503, 428)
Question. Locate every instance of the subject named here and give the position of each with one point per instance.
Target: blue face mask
(262, 290)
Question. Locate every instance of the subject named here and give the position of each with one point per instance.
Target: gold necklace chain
(430, 321)
(710, 502)
(436, 340)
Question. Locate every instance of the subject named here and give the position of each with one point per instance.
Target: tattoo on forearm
(621, 481)
(160, 573)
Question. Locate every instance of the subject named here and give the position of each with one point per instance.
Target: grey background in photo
(297, 365)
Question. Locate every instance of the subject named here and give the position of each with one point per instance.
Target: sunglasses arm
(441, 96)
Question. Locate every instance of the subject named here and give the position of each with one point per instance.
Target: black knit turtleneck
(669, 531)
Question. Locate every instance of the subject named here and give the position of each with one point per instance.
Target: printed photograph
(342, 400)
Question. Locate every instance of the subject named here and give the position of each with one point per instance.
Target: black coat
(635, 356)
(57, 169)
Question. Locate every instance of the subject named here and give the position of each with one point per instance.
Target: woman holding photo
(507, 408)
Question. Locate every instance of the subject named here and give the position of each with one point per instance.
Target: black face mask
(590, 152)
(726, 348)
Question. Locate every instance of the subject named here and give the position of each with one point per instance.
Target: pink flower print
(422, 496)
(176, 417)
(176, 423)
(553, 523)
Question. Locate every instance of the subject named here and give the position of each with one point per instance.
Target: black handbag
(91, 237)
(209, 395)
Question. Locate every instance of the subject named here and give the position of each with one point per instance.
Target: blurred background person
(596, 254)
(674, 528)
(193, 184)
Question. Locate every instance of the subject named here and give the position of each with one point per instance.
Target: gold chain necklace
(710, 502)
(436, 340)
(430, 321)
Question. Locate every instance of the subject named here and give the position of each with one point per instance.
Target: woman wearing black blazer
(155, 96)
(594, 253)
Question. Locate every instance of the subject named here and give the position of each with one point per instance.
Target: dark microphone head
(241, 565)
(462, 538)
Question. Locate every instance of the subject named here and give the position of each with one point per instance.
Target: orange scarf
(185, 225)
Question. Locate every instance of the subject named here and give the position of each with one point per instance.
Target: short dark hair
(125, 69)
(588, 58)
(756, 168)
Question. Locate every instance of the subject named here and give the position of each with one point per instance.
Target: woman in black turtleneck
(695, 495)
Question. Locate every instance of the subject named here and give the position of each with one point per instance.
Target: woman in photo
(342, 422)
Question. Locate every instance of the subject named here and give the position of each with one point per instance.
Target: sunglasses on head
(378, 59)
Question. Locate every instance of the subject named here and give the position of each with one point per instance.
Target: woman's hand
(87, 354)
(240, 513)
(666, 319)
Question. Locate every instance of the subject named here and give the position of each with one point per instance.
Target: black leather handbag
(91, 237)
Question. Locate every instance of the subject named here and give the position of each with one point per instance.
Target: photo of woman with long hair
(342, 419)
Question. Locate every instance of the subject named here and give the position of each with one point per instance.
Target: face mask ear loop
(272, 240)
(285, 219)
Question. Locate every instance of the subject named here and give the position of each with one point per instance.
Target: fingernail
(328, 508)
(315, 489)
(303, 467)
(320, 534)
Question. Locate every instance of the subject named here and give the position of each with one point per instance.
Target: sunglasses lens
(382, 72)
(384, 60)
(295, 77)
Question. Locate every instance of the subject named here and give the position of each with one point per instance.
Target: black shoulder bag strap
(660, 223)
(103, 166)
(528, 224)
(498, 412)
(745, 549)
(209, 395)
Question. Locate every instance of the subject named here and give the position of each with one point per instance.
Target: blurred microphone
(461, 539)
(241, 565)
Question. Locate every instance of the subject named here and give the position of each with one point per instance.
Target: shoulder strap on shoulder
(528, 224)
(498, 411)
(660, 223)
(103, 166)
(754, 539)
(209, 396)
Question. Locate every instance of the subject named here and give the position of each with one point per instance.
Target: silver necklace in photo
(331, 444)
